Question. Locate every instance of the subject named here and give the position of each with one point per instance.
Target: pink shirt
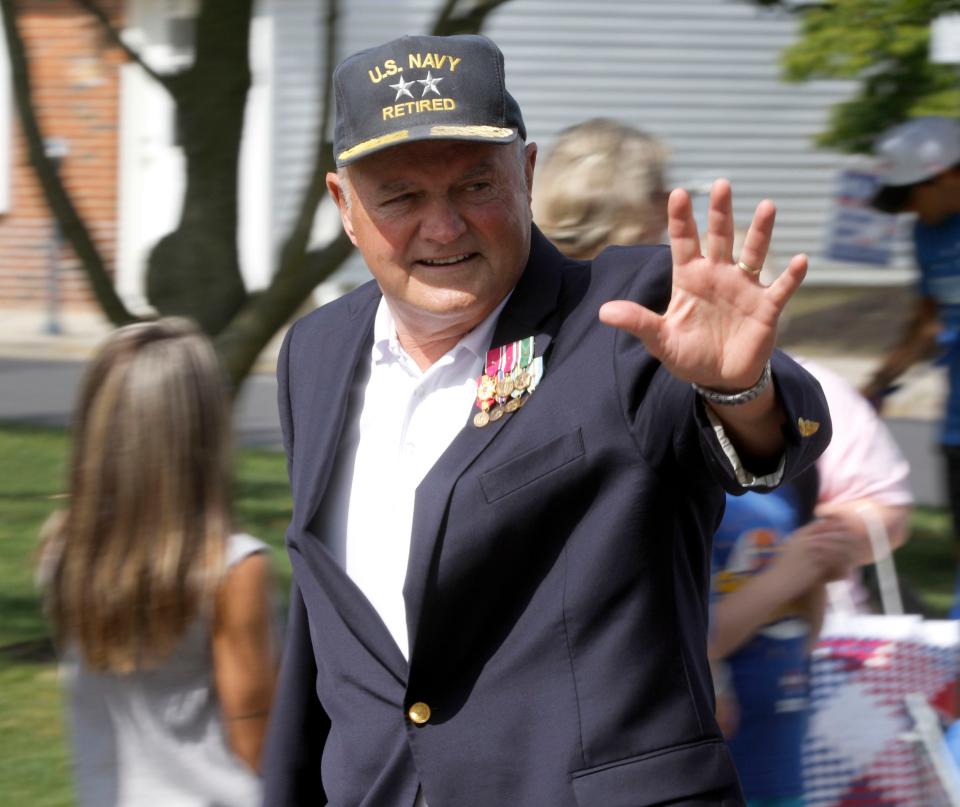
(862, 460)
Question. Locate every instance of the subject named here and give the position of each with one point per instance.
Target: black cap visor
(891, 198)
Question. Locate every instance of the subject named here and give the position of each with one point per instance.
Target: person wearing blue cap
(919, 165)
(506, 467)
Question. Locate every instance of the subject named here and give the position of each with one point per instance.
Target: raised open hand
(720, 326)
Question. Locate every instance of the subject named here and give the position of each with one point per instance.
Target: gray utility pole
(56, 149)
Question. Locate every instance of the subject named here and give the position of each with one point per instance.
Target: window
(6, 124)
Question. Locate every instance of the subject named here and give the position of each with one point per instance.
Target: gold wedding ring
(750, 270)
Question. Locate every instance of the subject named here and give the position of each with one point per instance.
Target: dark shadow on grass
(31, 651)
(26, 427)
(52, 421)
(32, 495)
(22, 616)
(263, 489)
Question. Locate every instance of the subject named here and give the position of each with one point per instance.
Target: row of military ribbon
(511, 374)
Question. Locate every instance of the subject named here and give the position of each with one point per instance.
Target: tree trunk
(195, 270)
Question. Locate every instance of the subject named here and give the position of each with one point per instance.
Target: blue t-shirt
(937, 249)
(770, 673)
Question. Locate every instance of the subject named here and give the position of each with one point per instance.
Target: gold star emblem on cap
(807, 427)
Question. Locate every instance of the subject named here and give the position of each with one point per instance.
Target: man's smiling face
(443, 225)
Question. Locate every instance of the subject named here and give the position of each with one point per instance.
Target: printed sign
(856, 233)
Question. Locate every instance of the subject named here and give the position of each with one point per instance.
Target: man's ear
(529, 163)
(338, 192)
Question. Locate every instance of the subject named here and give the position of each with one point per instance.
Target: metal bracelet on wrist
(736, 398)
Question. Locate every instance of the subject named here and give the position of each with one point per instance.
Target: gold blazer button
(419, 713)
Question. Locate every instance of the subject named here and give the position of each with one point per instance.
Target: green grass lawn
(34, 766)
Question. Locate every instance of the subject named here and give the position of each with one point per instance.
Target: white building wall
(256, 213)
(297, 58)
(703, 75)
(151, 166)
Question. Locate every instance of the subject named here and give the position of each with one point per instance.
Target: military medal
(486, 388)
(536, 373)
(511, 374)
(504, 385)
(521, 375)
(486, 391)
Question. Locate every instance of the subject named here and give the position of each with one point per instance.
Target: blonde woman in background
(602, 183)
(161, 611)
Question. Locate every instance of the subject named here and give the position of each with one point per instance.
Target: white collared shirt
(408, 418)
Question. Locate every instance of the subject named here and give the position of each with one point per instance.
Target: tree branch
(319, 264)
(58, 199)
(115, 37)
(239, 345)
(471, 21)
(443, 16)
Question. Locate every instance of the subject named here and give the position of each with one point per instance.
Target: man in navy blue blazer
(506, 468)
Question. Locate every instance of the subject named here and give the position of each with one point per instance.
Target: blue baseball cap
(422, 88)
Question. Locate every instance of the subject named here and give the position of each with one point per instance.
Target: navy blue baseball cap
(422, 88)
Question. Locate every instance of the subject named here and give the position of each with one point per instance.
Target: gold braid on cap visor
(366, 145)
(492, 132)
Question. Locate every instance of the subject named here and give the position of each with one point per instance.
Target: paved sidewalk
(23, 335)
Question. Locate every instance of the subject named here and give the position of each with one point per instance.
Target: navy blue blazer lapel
(531, 310)
(330, 386)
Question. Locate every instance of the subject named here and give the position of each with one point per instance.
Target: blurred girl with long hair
(162, 613)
